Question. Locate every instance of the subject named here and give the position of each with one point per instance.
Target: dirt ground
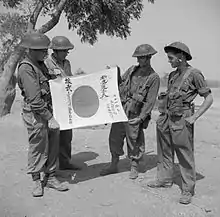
(111, 196)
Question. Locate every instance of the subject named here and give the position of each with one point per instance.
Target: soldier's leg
(65, 147)
(183, 143)
(165, 154)
(116, 142)
(136, 146)
(53, 152)
(65, 151)
(38, 146)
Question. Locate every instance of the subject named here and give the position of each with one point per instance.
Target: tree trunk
(8, 79)
(8, 82)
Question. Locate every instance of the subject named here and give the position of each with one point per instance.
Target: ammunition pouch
(136, 103)
(45, 93)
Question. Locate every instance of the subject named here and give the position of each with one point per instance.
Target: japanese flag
(87, 100)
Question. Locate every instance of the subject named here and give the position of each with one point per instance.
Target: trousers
(43, 144)
(134, 135)
(175, 135)
(65, 147)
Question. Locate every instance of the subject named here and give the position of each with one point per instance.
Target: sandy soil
(112, 196)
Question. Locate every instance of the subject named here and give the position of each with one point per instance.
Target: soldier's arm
(50, 66)
(68, 68)
(204, 91)
(32, 91)
(151, 98)
(127, 73)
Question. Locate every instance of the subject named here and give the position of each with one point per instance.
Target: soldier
(59, 66)
(43, 129)
(138, 89)
(175, 123)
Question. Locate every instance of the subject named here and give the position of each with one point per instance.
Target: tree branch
(34, 16)
(55, 18)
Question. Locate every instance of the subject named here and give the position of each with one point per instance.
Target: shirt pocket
(142, 92)
(185, 87)
(185, 90)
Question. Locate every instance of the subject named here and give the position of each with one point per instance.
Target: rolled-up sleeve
(32, 91)
(200, 84)
(151, 97)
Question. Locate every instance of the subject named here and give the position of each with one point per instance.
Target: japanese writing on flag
(87, 100)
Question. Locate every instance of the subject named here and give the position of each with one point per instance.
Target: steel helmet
(144, 50)
(179, 47)
(61, 43)
(37, 41)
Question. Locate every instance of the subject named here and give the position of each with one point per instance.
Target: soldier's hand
(135, 121)
(53, 124)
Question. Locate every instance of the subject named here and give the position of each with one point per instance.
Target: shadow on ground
(148, 162)
(177, 176)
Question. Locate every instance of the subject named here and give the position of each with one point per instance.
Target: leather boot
(38, 188)
(53, 182)
(112, 168)
(134, 169)
(186, 197)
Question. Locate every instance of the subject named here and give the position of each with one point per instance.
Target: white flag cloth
(87, 100)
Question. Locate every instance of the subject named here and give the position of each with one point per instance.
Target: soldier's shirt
(133, 85)
(59, 69)
(194, 84)
(28, 82)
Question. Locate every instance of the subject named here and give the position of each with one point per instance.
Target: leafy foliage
(110, 17)
(11, 3)
(93, 17)
(12, 26)
(90, 18)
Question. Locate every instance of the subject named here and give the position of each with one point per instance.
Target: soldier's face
(173, 59)
(143, 60)
(39, 55)
(61, 54)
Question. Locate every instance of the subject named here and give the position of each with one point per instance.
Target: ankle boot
(112, 168)
(186, 197)
(134, 169)
(53, 182)
(38, 188)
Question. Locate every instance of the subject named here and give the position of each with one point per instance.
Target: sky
(194, 22)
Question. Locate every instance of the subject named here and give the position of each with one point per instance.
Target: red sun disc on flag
(85, 101)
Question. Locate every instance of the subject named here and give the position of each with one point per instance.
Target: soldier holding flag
(42, 128)
(59, 66)
(138, 91)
